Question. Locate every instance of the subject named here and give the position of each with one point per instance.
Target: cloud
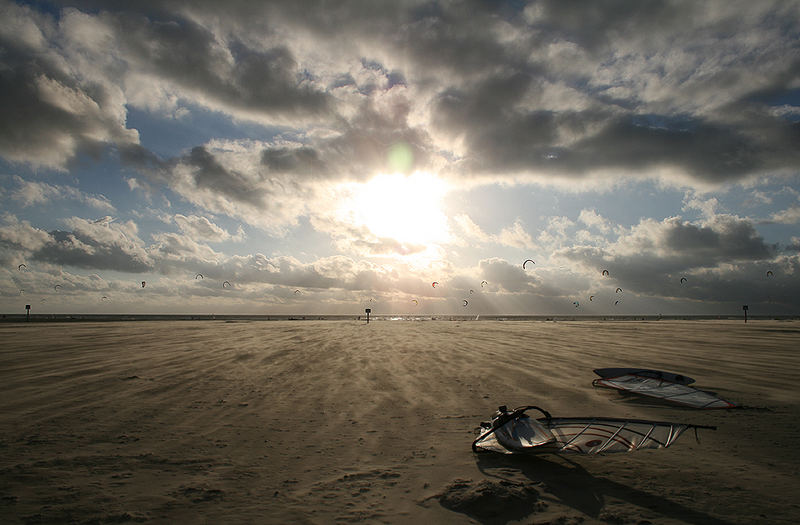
(593, 219)
(20, 235)
(202, 228)
(790, 215)
(92, 245)
(52, 106)
(30, 193)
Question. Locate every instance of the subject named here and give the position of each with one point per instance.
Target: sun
(407, 208)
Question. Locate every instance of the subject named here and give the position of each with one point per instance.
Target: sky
(290, 157)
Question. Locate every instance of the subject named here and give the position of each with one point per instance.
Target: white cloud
(31, 193)
(202, 228)
(790, 215)
(593, 219)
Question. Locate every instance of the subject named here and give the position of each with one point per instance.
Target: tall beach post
(367, 311)
(744, 307)
(27, 313)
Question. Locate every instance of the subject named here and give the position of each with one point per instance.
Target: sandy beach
(339, 422)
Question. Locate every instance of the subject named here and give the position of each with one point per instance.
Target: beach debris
(526, 262)
(661, 385)
(514, 432)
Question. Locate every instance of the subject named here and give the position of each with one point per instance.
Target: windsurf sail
(645, 372)
(663, 389)
(515, 432)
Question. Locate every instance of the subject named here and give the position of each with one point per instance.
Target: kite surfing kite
(661, 385)
(604, 273)
(526, 262)
(483, 283)
(144, 283)
(199, 276)
(591, 297)
(619, 290)
(683, 280)
(769, 273)
(22, 267)
(434, 283)
(296, 292)
(57, 287)
(515, 432)
(415, 302)
(226, 284)
(465, 303)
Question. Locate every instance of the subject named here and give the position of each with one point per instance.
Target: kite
(226, 283)
(144, 283)
(434, 283)
(483, 283)
(619, 290)
(200, 275)
(527, 261)
(465, 303)
(605, 273)
(22, 267)
(683, 280)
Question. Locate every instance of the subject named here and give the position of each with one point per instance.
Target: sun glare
(406, 208)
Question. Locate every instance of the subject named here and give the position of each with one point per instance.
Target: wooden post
(27, 313)
(367, 310)
(744, 307)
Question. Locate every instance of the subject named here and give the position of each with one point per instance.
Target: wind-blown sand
(336, 421)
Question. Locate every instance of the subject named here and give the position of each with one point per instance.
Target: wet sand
(338, 421)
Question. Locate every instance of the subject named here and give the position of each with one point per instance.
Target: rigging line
(612, 437)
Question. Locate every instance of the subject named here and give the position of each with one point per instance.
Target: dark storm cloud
(209, 174)
(526, 88)
(81, 251)
(724, 259)
(728, 239)
(47, 115)
(236, 76)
